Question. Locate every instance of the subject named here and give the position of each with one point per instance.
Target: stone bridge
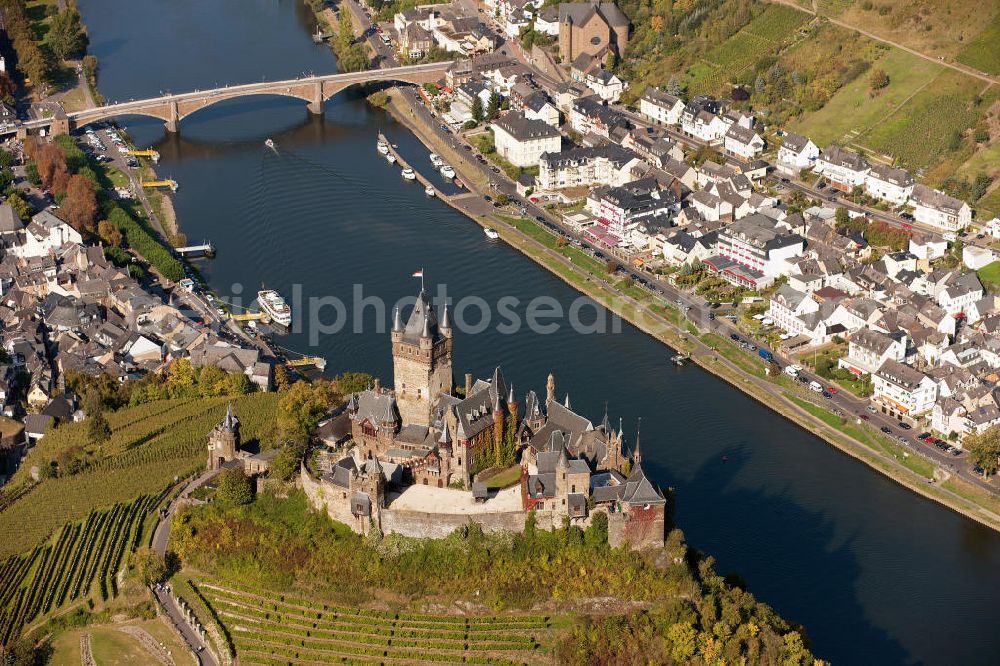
(315, 90)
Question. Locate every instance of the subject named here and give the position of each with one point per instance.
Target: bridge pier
(315, 105)
(173, 120)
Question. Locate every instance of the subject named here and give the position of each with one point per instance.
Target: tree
(98, 429)
(984, 449)
(842, 217)
(675, 87)
(149, 566)
(610, 61)
(878, 79)
(477, 109)
(181, 382)
(66, 35)
(285, 465)
(301, 407)
(110, 234)
(281, 381)
(493, 108)
(353, 382)
(80, 205)
(212, 381)
(235, 488)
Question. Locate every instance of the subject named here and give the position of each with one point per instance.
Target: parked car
(886, 429)
(904, 426)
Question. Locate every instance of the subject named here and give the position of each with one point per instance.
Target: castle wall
(640, 527)
(336, 501)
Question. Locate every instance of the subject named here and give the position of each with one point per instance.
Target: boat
(491, 233)
(680, 359)
(429, 191)
(382, 147)
(447, 171)
(408, 174)
(459, 184)
(391, 159)
(275, 307)
(436, 161)
(269, 143)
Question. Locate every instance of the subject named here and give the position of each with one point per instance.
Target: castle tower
(224, 440)
(421, 360)
(550, 390)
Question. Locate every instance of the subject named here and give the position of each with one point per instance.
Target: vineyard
(82, 561)
(278, 629)
(149, 447)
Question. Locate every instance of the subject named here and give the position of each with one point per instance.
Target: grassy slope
(150, 445)
(983, 52)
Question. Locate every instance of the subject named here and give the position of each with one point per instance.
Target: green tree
(610, 61)
(281, 380)
(285, 465)
(149, 566)
(235, 487)
(493, 107)
(22, 208)
(212, 381)
(842, 217)
(477, 109)
(181, 381)
(353, 382)
(301, 407)
(98, 428)
(984, 449)
(878, 79)
(66, 36)
(684, 641)
(674, 87)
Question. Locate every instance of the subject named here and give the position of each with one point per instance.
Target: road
(161, 536)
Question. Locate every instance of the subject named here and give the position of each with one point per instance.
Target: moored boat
(391, 159)
(429, 191)
(382, 147)
(491, 233)
(447, 171)
(272, 303)
(408, 174)
(436, 161)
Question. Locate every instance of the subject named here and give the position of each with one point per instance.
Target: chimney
(378, 385)
(468, 384)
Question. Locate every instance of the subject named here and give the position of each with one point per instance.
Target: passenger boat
(408, 174)
(491, 233)
(391, 159)
(429, 191)
(447, 171)
(275, 306)
(382, 147)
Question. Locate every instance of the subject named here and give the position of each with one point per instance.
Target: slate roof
(640, 490)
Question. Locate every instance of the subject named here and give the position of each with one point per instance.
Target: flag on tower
(419, 273)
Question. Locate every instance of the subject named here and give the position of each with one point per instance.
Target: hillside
(285, 583)
(150, 446)
(809, 75)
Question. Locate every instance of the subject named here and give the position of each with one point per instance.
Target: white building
(758, 243)
(705, 126)
(522, 141)
(868, 350)
(889, 184)
(607, 86)
(539, 107)
(547, 21)
(44, 234)
(586, 167)
(937, 209)
(743, 142)
(660, 107)
(844, 168)
(796, 153)
(791, 310)
(902, 391)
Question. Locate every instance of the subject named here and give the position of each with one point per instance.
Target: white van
(815, 386)
(791, 371)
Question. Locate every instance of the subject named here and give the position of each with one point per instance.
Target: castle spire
(566, 403)
(445, 437)
(604, 422)
(397, 322)
(445, 319)
(550, 389)
(510, 395)
(427, 327)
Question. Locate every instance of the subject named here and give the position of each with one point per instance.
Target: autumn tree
(878, 79)
(301, 407)
(110, 234)
(66, 36)
(80, 204)
(148, 565)
(235, 488)
(984, 449)
(50, 162)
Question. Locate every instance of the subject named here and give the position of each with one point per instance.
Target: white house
(660, 107)
(789, 308)
(902, 391)
(522, 141)
(937, 209)
(975, 257)
(844, 168)
(547, 21)
(796, 153)
(868, 350)
(607, 86)
(704, 125)
(44, 234)
(539, 107)
(743, 142)
(928, 247)
(889, 184)
(586, 167)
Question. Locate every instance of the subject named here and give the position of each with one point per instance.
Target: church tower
(421, 360)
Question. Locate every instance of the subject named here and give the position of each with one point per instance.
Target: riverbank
(948, 490)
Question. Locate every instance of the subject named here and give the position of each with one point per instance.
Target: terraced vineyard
(83, 558)
(278, 629)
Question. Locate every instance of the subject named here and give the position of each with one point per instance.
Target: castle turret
(550, 389)
(421, 355)
(224, 440)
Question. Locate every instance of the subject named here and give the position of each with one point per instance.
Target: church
(427, 432)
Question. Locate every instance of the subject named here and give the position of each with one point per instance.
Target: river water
(876, 574)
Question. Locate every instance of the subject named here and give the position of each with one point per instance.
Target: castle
(224, 448)
(422, 435)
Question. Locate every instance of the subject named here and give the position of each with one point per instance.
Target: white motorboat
(408, 174)
(491, 233)
(447, 171)
(391, 159)
(436, 161)
(382, 147)
(429, 191)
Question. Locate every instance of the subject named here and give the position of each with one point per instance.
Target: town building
(660, 107)
(522, 141)
(742, 142)
(937, 209)
(591, 27)
(844, 168)
(902, 392)
(889, 184)
(585, 167)
(754, 251)
(796, 153)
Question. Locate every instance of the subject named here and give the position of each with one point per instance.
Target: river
(875, 573)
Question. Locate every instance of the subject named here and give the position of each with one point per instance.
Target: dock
(403, 164)
(203, 250)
